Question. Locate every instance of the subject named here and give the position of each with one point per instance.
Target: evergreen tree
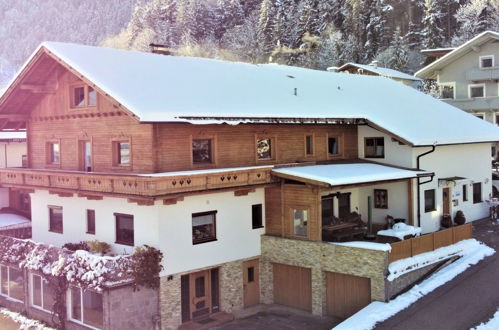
(399, 58)
(265, 25)
(432, 34)
(474, 17)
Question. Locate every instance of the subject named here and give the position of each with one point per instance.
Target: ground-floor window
(12, 282)
(477, 192)
(429, 200)
(42, 294)
(85, 307)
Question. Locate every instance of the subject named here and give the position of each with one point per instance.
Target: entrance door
(251, 282)
(86, 156)
(200, 294)
(343, 205)
(446, 200)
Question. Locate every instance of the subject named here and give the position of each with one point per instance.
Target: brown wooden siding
(292, 286)
(302, 197)
(346, 294)
(273, 211)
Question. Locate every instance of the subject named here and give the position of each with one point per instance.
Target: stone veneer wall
(231, 292)
(321, 257)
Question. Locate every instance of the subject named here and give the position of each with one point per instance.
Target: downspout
(421, 183)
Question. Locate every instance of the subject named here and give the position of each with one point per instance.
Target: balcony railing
(148, 185)
(483, 74)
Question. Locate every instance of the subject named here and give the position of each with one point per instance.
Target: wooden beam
(60, 193)
(14, 117)
(141, 201)
(172, 201)
(3, 123)
(91, 197)
(243, 192)
(38, 89)
(19, 125)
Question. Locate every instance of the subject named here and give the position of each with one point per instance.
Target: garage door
(347, 294)
(292, 286)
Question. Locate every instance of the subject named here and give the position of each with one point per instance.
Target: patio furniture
(401, 231)
(349, 227)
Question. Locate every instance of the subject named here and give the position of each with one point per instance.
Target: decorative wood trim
(172, 201)
(60, 194)
(243, 192)
(141, 201)
(91, 197)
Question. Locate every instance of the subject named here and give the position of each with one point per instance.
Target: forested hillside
(24, 24)
(309, 33)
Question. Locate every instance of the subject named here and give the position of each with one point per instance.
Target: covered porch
(335, 202)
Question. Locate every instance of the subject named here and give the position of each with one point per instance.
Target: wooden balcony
(134, 185)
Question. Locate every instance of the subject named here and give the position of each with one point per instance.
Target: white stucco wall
(471, 161)
(395, 154)
(11, 153)
(167, 227)
(398, 202)
(4, 197)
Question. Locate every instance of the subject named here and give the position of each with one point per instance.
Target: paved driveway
(469, 299)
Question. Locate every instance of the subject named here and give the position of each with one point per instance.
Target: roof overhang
(351, 174)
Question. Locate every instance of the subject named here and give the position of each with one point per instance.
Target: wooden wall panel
(442, 238)
(462, 232)
(302, 197)
(273, 213)
(422, 244)
(346, 294)
(292, 286)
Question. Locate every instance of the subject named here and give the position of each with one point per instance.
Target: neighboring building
(435, 53)
(374, 70)
(234, 171)
(468, 76)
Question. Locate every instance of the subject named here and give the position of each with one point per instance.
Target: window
(55, 219)
(204, 227)
(251, 274)
(201, 151)
(12, 282)
(333, 145)
(374, 147)
(86, 307)
(476, 90)
(42, 294)
(447, 91)
(429, 200)
(479, 115)
(124, 229)
(53, 153)
(264, 149)
(487, 61)
(496, 117)
(300, 220)
(90, 221)
(309, 145)
(83, 96)
(256, 215)
(380, 198)
(477, 192)
(24, 161)
(465, 193)
(121, 153)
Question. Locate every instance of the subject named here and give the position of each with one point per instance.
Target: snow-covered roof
(10, 219)
(346, 174)
(384, 72)
(158, 88)
(428, 71)
(14, 135)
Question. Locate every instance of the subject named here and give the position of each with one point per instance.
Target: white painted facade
(470, 161)
(11, 153)
(166, 227)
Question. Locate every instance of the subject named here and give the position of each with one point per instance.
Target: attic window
(487, 61)
(83, 96)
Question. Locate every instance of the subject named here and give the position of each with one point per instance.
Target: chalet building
(374, 70)
(468, 77)
(240, 174)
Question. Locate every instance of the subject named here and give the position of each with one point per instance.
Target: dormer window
(486, 61)
(476, 90)
(83, 96)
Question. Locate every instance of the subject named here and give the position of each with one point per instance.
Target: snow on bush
(24, 322)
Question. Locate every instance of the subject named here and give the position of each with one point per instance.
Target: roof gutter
(421, 183)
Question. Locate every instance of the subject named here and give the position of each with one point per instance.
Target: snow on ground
(24, 322)
(9, 219)
(366, 245)
(402, 266)
(378, 311)
(400, 230)
(492, 324)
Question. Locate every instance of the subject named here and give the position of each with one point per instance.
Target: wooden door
(343, 205)
(346, 294)
(446, 200)
(200, 294)
(293, 286)
(251, 282)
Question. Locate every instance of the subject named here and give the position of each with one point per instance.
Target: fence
(429, 242)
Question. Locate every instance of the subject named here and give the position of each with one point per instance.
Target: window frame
(374, 138)
(470, 86)
(380, 199)
(89, 212)
(434, 201)
(447, 84)
(477, 114)
(8, 294)
(273, 148)
(213, 145)
(475, 193)
(49, 153)
(465, 192)
(50, 210)
(306, 211)
(339, 142)
(118, 216)
(484, 57)
(214, 224)
(312, 145)
(86, 98)
(42, 290)
(117, 155)
(257, 224)
(69, 304)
